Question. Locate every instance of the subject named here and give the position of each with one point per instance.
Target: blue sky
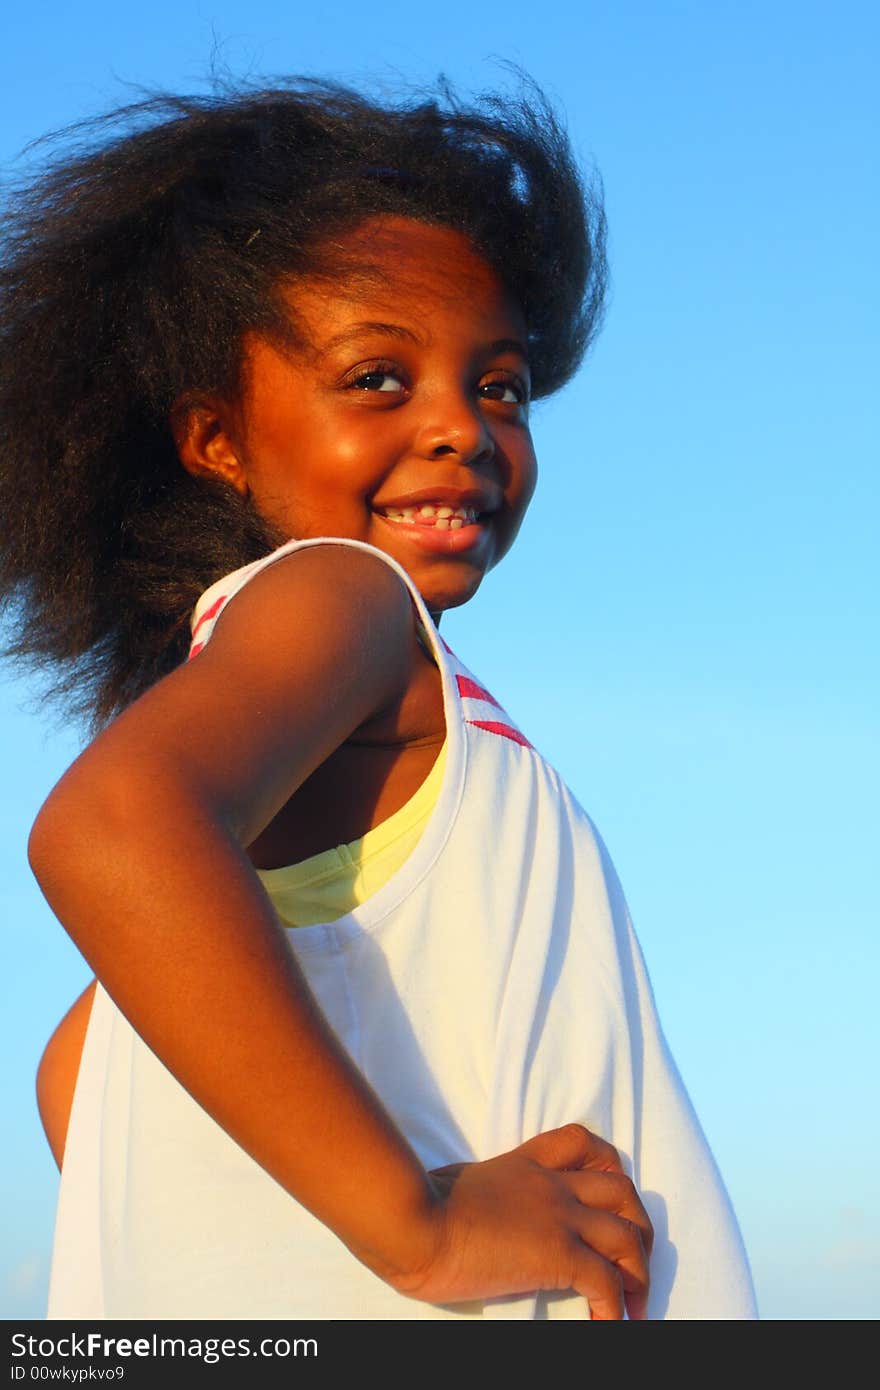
(687, 626)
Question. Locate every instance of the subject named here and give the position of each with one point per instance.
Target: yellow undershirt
(330, 884)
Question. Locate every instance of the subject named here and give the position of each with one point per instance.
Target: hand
(556, 1213)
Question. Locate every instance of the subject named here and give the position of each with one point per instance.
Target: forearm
(178, 928)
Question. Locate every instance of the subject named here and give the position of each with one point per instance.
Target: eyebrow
(510, 345)
(396, 330)
(363, 330)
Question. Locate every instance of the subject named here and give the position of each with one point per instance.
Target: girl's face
(403, 422)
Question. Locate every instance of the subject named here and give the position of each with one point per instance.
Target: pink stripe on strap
(209, 613)
(471, 691)
(505, 730)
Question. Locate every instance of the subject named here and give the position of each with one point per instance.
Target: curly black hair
(132, 266)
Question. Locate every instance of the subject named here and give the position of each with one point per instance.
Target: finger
(615, 1193)
(637, 1306)
(601, 1155)
(600, 1284)
(619, 1242)
(572, 1147)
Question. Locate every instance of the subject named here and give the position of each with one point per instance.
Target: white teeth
(445, 517)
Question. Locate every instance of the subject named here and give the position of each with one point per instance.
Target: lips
(474, 498)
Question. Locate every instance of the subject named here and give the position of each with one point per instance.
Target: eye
(378, 378)
(510, 390)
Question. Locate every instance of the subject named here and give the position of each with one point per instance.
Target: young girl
(372, 1036)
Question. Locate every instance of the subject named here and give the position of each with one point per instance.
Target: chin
(440, 598)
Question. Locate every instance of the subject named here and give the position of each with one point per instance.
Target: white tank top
(491, 989)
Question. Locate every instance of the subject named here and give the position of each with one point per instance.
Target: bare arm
(139, 850)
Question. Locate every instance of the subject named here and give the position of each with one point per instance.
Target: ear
(205, 433)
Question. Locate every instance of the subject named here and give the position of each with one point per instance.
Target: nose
(455, 427)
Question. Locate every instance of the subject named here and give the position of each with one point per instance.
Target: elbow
(41, 842)
(74, 820)
(82, 840)
(60, 824)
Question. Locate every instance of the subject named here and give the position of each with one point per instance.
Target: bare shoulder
(315, 644)
(312, 647)
(338, 594)
(330, 618)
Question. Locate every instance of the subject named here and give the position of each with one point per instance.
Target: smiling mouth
(438, 517)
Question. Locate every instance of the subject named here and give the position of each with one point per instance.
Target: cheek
(338, 429)
(359, 453)
(526, 471)
(531, 469)
(347, 452)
